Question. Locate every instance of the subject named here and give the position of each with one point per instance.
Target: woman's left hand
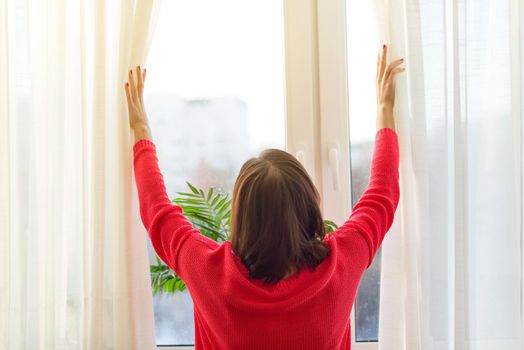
(135, 103)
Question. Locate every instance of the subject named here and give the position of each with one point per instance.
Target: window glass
(214, 97)
(362, 61)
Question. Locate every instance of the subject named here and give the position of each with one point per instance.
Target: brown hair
(276, 223)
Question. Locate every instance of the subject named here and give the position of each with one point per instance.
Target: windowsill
(359, 345)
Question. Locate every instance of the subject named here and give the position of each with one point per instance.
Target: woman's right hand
(386, 79)
(386, 89)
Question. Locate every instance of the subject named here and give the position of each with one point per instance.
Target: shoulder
(348, 246)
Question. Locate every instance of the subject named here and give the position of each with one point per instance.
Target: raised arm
(373, 214)
(173, 237)
(163, 220)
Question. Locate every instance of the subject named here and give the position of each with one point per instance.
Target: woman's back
(309, 309)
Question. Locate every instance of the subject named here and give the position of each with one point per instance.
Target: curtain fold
(74, 272)
(452, 263)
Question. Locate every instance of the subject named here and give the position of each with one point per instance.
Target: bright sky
(362, 48)
(207, 48)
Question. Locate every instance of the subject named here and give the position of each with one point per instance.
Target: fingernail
(130, 71)
(127, 84)
(402, 59)
(384, 46)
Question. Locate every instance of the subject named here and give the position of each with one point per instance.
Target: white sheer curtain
(73, 261)
(452, 263)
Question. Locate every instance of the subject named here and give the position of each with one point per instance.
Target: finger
(132, 87)
(392, 66)
(143, 83)
(128, 96)
(131, 79)
(378, 61)
(397, 70)
(383, 56)
(140, 81)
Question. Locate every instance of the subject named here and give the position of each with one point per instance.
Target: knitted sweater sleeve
(174, 239)
(373, 214)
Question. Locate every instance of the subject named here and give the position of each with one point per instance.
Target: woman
(280, 282)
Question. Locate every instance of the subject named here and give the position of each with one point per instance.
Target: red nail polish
(384, 46)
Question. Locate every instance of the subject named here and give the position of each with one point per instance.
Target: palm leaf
(330, 226)
(210, 213)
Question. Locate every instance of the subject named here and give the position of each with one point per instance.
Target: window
(348, 47)
(214, 96)
(361, 60)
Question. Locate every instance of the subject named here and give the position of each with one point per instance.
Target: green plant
(210, 213)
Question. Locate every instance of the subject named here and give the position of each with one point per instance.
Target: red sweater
(307, 310)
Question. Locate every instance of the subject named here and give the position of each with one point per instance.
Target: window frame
(334, 122)
(316, 103)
